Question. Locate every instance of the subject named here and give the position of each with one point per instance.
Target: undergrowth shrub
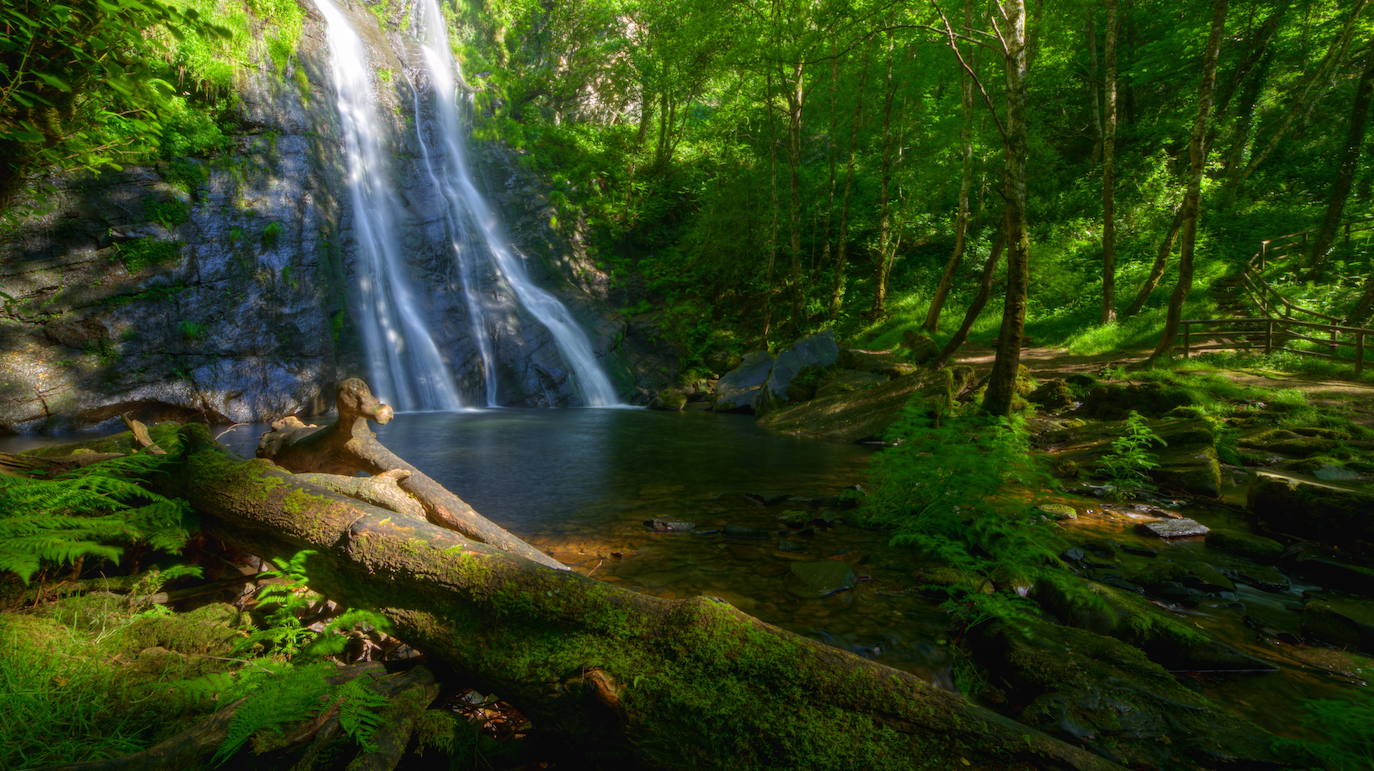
(946, 490)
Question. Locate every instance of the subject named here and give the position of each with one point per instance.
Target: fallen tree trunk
(349, 446)
(614, 676)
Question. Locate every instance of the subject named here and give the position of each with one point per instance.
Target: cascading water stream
(476, 234)
(403, 362)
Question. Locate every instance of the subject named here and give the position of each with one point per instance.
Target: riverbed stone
(669, 400)
(1175, 528)
(822, 578)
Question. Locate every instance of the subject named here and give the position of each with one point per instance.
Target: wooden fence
(1282, 322)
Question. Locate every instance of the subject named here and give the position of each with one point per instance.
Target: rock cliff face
(220, 288)
(200, 288)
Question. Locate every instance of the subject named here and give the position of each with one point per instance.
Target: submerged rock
(667, 526)
(821, 579)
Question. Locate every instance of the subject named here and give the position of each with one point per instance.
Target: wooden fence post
(1359, 353)
(1187, 331)
(1268, 336)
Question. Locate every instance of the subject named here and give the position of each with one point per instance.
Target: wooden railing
(1274, 334)
(1281, 321)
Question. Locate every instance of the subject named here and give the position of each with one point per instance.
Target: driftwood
(614, 676)
(349, 446)
(379, 490)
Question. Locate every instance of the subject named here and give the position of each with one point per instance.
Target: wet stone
(1175, 528)
(1058, 511)
(821, 579)
(743, 531)
(668, 526)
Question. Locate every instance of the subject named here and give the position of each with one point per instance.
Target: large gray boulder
(738, 389)
(817, 351)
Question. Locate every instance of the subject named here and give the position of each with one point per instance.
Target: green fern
(1129, 462)
(90, 512)
(358, 711)
(294, 695)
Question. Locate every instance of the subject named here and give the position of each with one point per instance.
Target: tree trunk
(771, 244)
(1002, 381)
(980, 300)
(1156, 269)
(886, 253)
(1346, 165)
(349, 446)
(1197, 157)
(842, 240)
(795, 103)
(1109, 169)
(961, 220)
(614, 676)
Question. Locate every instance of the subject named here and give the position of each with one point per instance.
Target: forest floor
(1323, 390)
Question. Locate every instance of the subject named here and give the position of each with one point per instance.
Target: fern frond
(297, 694)
(358, 711)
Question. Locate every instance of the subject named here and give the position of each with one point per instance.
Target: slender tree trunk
(961, 220)
(1157, 269)
(1002, 382)
(1109, 169)
(1345, 168)
(842, 240)
(1094, 83)
(980, 300)
(831, 163)
(795, 104)
(886, 253)
(771, 243)
(1197, 157)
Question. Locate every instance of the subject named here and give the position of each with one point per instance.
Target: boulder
(1052, 395)
(1114, 401)
(920, 347)
(1340, 621)
(1290, 443)
(669, 399)
(1334, 514)
(888, 363)
(862, 415)
(1194, 470)
(807, 354)
(844, 381)
(738, 389)
(1254, 547)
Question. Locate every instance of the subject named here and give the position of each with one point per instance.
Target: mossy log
(614, 676)
(349, 445)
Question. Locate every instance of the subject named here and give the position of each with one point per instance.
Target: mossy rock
(1098, 691)
(669, 399)
(1290, 443)
(1337, 515)
(920, 347)
(846, 381)
(887, 363)
(1247, 545)
(1341, 621)
(863, 415)
(1114, 401)
(1195, 470)
(1053, 395)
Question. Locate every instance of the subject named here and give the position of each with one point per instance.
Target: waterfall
(475, 232)
(402, 355)
(403, 362)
